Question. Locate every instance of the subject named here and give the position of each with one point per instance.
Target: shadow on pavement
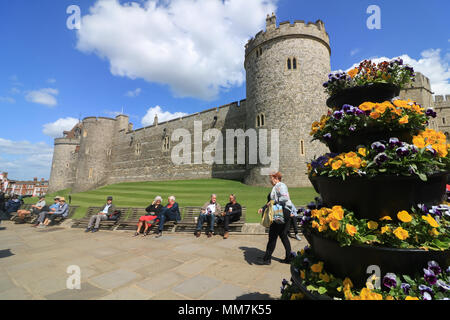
(255, 296)
(252, 255)
(6, 253)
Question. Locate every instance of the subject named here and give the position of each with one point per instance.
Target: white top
(105, 210)
(211, 208)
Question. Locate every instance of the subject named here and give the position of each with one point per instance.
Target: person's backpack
(115, 215)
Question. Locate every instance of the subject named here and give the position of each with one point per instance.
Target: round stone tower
(286, 67)
(95, 153)
(64, 164)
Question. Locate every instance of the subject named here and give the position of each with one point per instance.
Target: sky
(173, 57)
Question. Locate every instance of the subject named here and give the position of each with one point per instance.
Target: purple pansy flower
(429, 276)
(402, 152)
(381, 158)
(337, 115)
(443, 286)
(327, 136)
(405, 287)
(378, 146)
(394, 142)
(434, 266)
(390, 280)
(430, 148)
(425, 289)
(431, 113)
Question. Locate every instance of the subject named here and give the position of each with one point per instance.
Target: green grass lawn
(187, 193)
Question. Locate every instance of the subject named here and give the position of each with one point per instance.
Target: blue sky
(51, 75)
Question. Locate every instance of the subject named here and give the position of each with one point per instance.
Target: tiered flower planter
(371, 198)
(374, 198)
(377, 92)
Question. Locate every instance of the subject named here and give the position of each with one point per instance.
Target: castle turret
(64, 164)
(286, 67)
(95, 152)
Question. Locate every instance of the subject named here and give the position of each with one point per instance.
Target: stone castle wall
(140, 156)
(64, 164)
(290, 99)
(442, 106)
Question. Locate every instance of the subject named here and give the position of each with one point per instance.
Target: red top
(169, 206)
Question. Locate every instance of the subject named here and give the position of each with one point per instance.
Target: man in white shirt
(209, 211)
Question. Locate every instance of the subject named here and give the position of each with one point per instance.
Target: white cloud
(354, 51)
(431, 64)
(134, 93)
(25, 160)
(148, 119)
(195, 47)
(43, 96)
(15, 90)
(56, 129)
(7, 100)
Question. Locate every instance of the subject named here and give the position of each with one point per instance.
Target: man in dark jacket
(171, 212)
(107, 211)
(232, 213)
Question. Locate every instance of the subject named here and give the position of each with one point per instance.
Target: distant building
(33, 188)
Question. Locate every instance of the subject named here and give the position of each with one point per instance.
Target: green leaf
(311, 288)
(422, 176)
(322, 290)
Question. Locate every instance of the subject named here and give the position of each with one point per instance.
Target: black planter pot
(377, 92)
(340, 144)
(352, 261)
(374, 198)
(295, 277)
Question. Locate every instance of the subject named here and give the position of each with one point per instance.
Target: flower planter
(374, 198)
(295, 277)
(376, 92)
(352, 261)
(340, 144)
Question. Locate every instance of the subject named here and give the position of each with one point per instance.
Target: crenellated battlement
(442, 98)
(299, 29)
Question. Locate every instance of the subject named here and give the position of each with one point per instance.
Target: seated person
(232, 213)
(208, 213)
(171, 212)
(149, 219)
(35, 209)
(43, 214)
(107, 211)
(62, 210)
(13, 205)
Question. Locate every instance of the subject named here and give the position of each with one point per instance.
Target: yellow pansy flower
(404, 120)
(386, 218)
(350, 229)
(411, 298)
(404, 216)
(336, 164)
(317, 268)
(335, 225)
(430, 221)
(401, 233)
(372, 225)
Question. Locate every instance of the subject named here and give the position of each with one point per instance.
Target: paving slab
(114, 279)
(161, 281)
(196, 287)
(225, 292)
(87, 292)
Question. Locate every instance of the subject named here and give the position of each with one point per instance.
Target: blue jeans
(210, 218)
(166, 216)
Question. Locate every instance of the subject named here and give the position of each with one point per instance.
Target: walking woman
(149, 219)
(280, 195)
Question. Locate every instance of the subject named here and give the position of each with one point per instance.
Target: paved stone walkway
(114, 265)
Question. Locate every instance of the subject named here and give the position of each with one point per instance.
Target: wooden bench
(131, 222)
(104, 225)
(189, 225)
(13, 215)
(60, 219)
